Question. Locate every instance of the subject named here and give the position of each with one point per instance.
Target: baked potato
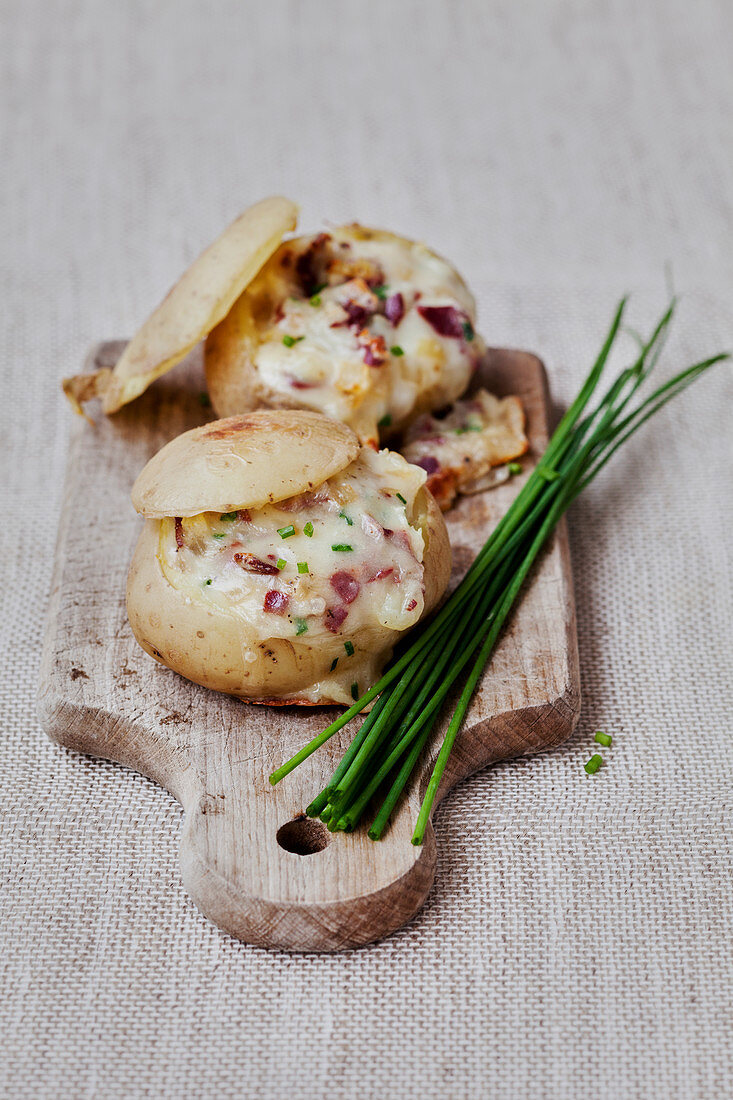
(280, 561)
(361, 324)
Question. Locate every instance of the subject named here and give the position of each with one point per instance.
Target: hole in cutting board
(304, 836)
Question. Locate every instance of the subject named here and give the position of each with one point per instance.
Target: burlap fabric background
(577, 942)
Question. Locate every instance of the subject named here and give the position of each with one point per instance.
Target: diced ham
(334, 618)
(394, 308)
(345, 585)
(446, 320)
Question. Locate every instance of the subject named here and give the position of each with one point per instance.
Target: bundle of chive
(464, 631)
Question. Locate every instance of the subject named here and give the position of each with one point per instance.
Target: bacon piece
(334, 618)
(446, 320)
(179, 533)
(394, 308)
(250, 564)
(381, 574)
(244, 515)
(411, 605)
(308, 264)
(345, 585)
(375, 348)
(276, 602)
(429, 464)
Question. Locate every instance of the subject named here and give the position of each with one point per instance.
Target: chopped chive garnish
(204, 400)
(321, 286)
(342, 515)
(381, 291)
(514, 468)
(334, 662)
(385, 421)
(308, 529)
(594, 763)
(604, 739)
(397, 350)
(400, 497)
(302, 566)
(286, 532)
(227, 517)
(354, 691)
(290, 341)
(315, 300)
(342, 547)
(301, 626)
(220, 534)
(208, 581)
(281, 563)
(468, 331)
(349, 649)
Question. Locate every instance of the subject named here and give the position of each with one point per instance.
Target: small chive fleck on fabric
(301, 626)
(355, 691)
(228, 517)
(514, 468)
(204, 400)
(400, 497)
(220, 535)
(349, 649)
(604, 739)
(397, 350)
(302, 566)
(342, 547)
(594, 763)
(281, 563)
(468, 331)
(342, 515)
(385, 421)
(290, 341)
(334, 662)
(286, 532)
(381, 292)
(308, 529)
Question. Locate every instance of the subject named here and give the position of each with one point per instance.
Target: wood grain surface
(250, 860)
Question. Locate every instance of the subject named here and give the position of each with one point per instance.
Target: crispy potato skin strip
(199, 300)
(83, 387)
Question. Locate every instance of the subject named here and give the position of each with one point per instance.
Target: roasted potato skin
(207, 645)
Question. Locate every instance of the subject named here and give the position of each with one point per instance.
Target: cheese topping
(459, 449)
(328, 564)
(364, 326)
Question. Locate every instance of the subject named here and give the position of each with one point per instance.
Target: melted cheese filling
(329, 563)
(356, 334)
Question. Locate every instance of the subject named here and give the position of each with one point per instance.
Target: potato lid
(200, 299)
(243, 462)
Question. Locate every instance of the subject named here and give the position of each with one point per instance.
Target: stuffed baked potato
(280, 561)
(361, 324)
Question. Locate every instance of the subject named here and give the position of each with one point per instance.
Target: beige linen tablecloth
(577, 941)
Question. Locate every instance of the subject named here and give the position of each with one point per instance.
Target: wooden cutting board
(250, 860)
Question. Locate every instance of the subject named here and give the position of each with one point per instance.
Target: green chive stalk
(461, 636)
